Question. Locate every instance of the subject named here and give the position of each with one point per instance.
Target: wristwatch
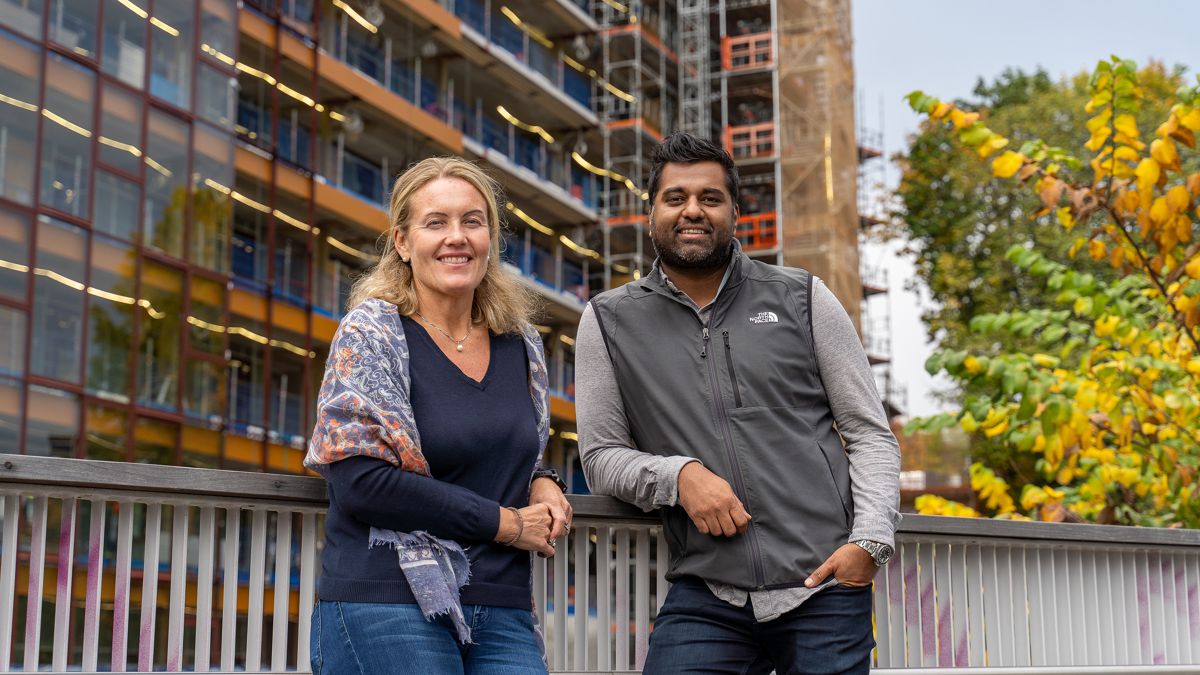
(552, 475)
(880, 552)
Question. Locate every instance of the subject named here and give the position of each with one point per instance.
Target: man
(735, 397)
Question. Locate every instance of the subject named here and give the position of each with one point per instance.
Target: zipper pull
(725, 334)
(704, 346)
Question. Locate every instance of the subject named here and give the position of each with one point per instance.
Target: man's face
(693, 216)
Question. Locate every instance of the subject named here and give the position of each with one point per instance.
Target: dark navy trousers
(697, 632)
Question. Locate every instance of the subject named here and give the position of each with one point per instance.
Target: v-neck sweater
(479, 438)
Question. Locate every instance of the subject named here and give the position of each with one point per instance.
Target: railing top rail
(157, 478)
(309, 491)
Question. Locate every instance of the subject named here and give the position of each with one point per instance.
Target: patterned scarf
(363, 408)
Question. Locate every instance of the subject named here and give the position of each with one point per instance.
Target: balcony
(757, 232)
(528, 60)
(746, 52)
(751, 141)
(235, 562)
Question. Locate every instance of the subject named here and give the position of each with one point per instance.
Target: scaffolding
(637, 107)
(819, 162)
(694, 89)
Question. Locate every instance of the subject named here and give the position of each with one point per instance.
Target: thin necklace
(458, 344)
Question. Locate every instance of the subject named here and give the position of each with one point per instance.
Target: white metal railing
(961, 594)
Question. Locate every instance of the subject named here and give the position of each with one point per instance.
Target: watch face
(884, 555)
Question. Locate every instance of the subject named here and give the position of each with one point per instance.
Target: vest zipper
(737, 394)
(739, 486)
(704, 344)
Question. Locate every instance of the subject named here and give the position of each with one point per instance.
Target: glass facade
(184, 207)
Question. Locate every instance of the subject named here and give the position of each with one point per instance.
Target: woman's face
(447, 242)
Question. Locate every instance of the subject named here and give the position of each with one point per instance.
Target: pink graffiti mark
(66, 537)
(928, 627)
(33, 607)
(945, 641)
(146, 639)
(1143, 606)
(120, 637)
(912, 610)
(91, 610)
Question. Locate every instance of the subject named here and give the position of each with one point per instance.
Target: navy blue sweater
(479, 438)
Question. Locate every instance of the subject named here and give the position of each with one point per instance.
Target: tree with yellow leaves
(1110, 405)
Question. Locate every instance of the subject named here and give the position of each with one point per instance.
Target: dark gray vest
(747, 401)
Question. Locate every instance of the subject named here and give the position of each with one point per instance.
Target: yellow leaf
(992, 432)
(1099, 121)
(1193, 268)
(1147, 173)
(1193, 184)
(1177, 198)
(940, 110)
(1126, 124)
(1065, 218)
(961, 120)
(991, 145)
(1191, 120)
(1045, 360)
(1125, 153)
(968, 422)
(1007, 164)
(972, 364)
(1096, 249)
(1097, 140)
(1163, 151)
(1167, 128)
(1159, 212)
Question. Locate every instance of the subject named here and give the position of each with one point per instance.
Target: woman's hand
(532, 529)
(546, 491)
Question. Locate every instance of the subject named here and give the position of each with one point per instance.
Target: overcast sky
(943, 47)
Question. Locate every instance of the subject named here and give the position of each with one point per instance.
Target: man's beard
(663, 240)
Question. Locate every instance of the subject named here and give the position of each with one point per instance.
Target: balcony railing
(757, 231)
(234, 557)
(746, 52)
(750, 141)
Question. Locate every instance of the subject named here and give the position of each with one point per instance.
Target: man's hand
(710, 502)
(850, 564)
(546, 491)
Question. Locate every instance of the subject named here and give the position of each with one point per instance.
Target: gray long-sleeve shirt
(615, 467)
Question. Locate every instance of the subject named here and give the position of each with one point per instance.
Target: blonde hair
(501, 303)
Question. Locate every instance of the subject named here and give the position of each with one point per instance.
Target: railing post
(8, 578)
(63, 602)
(95, 578)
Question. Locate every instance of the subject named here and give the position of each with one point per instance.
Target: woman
(432, 418)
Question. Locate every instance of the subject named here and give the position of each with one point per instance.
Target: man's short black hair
(684, 148)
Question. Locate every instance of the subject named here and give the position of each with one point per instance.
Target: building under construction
(774, 80)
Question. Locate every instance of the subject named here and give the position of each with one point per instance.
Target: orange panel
(295, 50)
(323, 328)
(346, 206)
(203, 441)
(562, 409)
(243, 450)
(294, 182)
(288, 317)
(253, 165)
(256, 27)
(283, 458)
(335, 72)
(248, 305)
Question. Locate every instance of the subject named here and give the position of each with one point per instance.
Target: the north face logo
(765, 317)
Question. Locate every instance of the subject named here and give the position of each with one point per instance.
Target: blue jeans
(697, 632)
(367, 638)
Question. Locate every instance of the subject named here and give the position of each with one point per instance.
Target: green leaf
(1053, 334)
(974, 135)
(919, 102)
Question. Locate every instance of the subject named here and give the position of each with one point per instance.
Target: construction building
(189, 188)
